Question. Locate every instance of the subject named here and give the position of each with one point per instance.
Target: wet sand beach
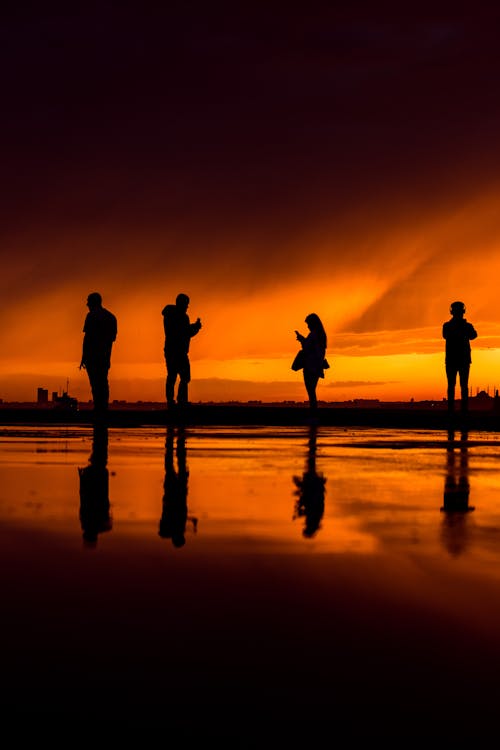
(367, 608)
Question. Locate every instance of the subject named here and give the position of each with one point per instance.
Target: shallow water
(361, 564)
(378, 490)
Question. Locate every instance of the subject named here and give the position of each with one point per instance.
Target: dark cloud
(240, 118)
(358, 383)
(457, 263)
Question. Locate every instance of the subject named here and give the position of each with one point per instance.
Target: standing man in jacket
(100, 331)
(458, 333)
(178, 334)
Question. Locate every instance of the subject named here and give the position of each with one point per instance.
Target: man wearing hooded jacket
(178, 334)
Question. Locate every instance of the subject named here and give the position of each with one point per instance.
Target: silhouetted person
(95, 516)
(314, 350)
(100, 331)
(310, 491)
(456, 495)
(458, 333)
(178, 334)
(174, 515)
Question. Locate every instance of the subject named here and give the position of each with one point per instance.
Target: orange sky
(341, 163)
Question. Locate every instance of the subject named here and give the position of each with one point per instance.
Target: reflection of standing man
(100, 331)
(95, 514)
(175, 490)
(178, 333)
(456, 496)
(458, 333)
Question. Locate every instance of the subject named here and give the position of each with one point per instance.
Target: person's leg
(99, 384)
(184, 379)
(170, 382)
(310, 382)
(464, 388)
(451, 375)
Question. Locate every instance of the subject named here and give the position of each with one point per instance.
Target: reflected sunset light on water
(268, 568)
(383, 490)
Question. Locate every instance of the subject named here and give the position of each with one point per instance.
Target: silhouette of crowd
(100, 332)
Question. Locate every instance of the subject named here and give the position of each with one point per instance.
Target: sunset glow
(269, 179)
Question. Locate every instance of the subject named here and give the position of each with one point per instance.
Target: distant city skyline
(42, 399)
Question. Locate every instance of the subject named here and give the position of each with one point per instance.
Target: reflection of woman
(175, 489)
(310, 491)
(314, 350)
(95, 514)
(456, 496)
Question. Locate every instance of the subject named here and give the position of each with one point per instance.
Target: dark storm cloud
(458, 261)
(239, 123)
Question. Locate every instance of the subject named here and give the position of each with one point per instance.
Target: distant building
(64, 402)
(42, 397)
(481, 401)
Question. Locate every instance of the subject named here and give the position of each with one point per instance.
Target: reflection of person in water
(310, 491)
(456, 495)
(174, 515)
(95, 514)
